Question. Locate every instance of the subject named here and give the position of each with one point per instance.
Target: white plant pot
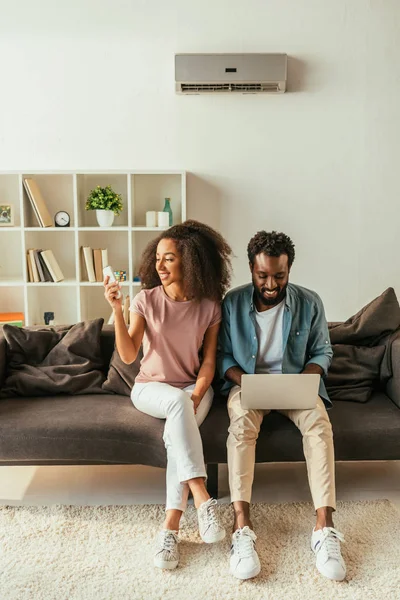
(105, 218)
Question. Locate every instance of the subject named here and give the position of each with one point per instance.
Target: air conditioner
(231, 73)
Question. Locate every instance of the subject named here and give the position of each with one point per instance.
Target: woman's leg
(177, 492)
(181, 437)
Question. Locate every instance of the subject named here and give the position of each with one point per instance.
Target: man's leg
(316, 429)
(243, 433)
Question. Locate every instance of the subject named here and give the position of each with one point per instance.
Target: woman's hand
(196, 401)
(111, 290)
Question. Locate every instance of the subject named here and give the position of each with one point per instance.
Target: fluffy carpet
(105, 553)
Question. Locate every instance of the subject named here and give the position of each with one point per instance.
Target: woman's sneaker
(211, 530)
(325, 543)
(244, 561)
(167, 553)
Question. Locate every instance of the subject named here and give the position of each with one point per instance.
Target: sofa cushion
(120, 376)
(353, 372)
(376, 319)
(63, 360)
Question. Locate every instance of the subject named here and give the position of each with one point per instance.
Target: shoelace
(244, 542)
(330, 542)
(169, 540)
(208, 513)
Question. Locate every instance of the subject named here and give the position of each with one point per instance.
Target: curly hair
(205, 259)
(271, 244)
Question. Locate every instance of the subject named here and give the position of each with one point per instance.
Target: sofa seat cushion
(88, 429)
(109, 430)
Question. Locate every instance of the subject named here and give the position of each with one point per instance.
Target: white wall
(90, 85)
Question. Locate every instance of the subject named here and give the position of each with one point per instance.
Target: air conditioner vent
(228, 87)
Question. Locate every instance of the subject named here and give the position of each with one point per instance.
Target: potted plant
(106, 203)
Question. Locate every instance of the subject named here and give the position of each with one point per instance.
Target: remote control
(107, 271)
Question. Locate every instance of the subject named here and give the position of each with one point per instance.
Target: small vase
(105, 218)
(167, 208)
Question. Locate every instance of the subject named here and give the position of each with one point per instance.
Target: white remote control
(107, 271)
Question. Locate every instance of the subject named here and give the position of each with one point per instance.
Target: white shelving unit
(75, 299)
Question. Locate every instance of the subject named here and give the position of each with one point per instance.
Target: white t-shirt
(269, 329)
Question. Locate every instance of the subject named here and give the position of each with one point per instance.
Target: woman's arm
(127, 342)
(207, 369)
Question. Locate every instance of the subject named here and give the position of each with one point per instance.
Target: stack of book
(95, 259)
(12, 318)
(38, 204)
(42, 266)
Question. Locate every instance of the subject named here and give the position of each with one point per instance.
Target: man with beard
(272, 326)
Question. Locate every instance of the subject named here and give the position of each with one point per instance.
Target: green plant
(104, 199)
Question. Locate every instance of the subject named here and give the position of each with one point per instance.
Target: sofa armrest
(3, 348)
(393, 365)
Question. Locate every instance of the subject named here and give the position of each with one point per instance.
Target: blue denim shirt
(305, 334)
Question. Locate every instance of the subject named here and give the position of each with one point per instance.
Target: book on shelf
(52, 265)
(98, 264)
(39, 264)
(46, 272)
(12, 318)
(38, 204)
(104, 257)
(30, 270)
(34, 268)
(89, 263)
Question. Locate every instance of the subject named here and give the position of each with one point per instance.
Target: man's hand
(196, 401)
(313, 369)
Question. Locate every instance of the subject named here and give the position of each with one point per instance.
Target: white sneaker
(325, 543)
(167, 552)
(211, 530)
(244, 561)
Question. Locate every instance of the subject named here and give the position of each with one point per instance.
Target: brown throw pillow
(353, 372)
(376, 319)
(121, 377)
(45, 362)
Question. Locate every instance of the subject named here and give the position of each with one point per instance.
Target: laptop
(274, 392)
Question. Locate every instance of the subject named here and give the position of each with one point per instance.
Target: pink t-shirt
(173, 336)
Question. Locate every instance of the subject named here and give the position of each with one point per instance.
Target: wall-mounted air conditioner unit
(232, 73)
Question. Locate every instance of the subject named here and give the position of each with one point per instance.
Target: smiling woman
(176, 317)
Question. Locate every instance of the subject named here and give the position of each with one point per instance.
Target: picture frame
(6, 215)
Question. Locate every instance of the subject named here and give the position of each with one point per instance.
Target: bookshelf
(75, 299)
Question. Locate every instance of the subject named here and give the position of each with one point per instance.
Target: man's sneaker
(211, 530)
(244, 561)
(325, 543)
(167, 553)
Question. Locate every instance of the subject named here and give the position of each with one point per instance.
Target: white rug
(105, 553)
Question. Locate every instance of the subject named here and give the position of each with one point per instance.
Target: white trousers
(182, 438)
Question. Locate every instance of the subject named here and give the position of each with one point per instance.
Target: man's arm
(319, 349)
(235, 374)
(227, 366)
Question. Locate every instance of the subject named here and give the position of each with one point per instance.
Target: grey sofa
(107, 429)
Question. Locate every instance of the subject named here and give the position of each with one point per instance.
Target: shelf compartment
(9, 194)
(11, 264)
(117, 246)
(62, 246)
(87, 182)
(58, 194)
(149, 193)
(56, 298)
(12, 299)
